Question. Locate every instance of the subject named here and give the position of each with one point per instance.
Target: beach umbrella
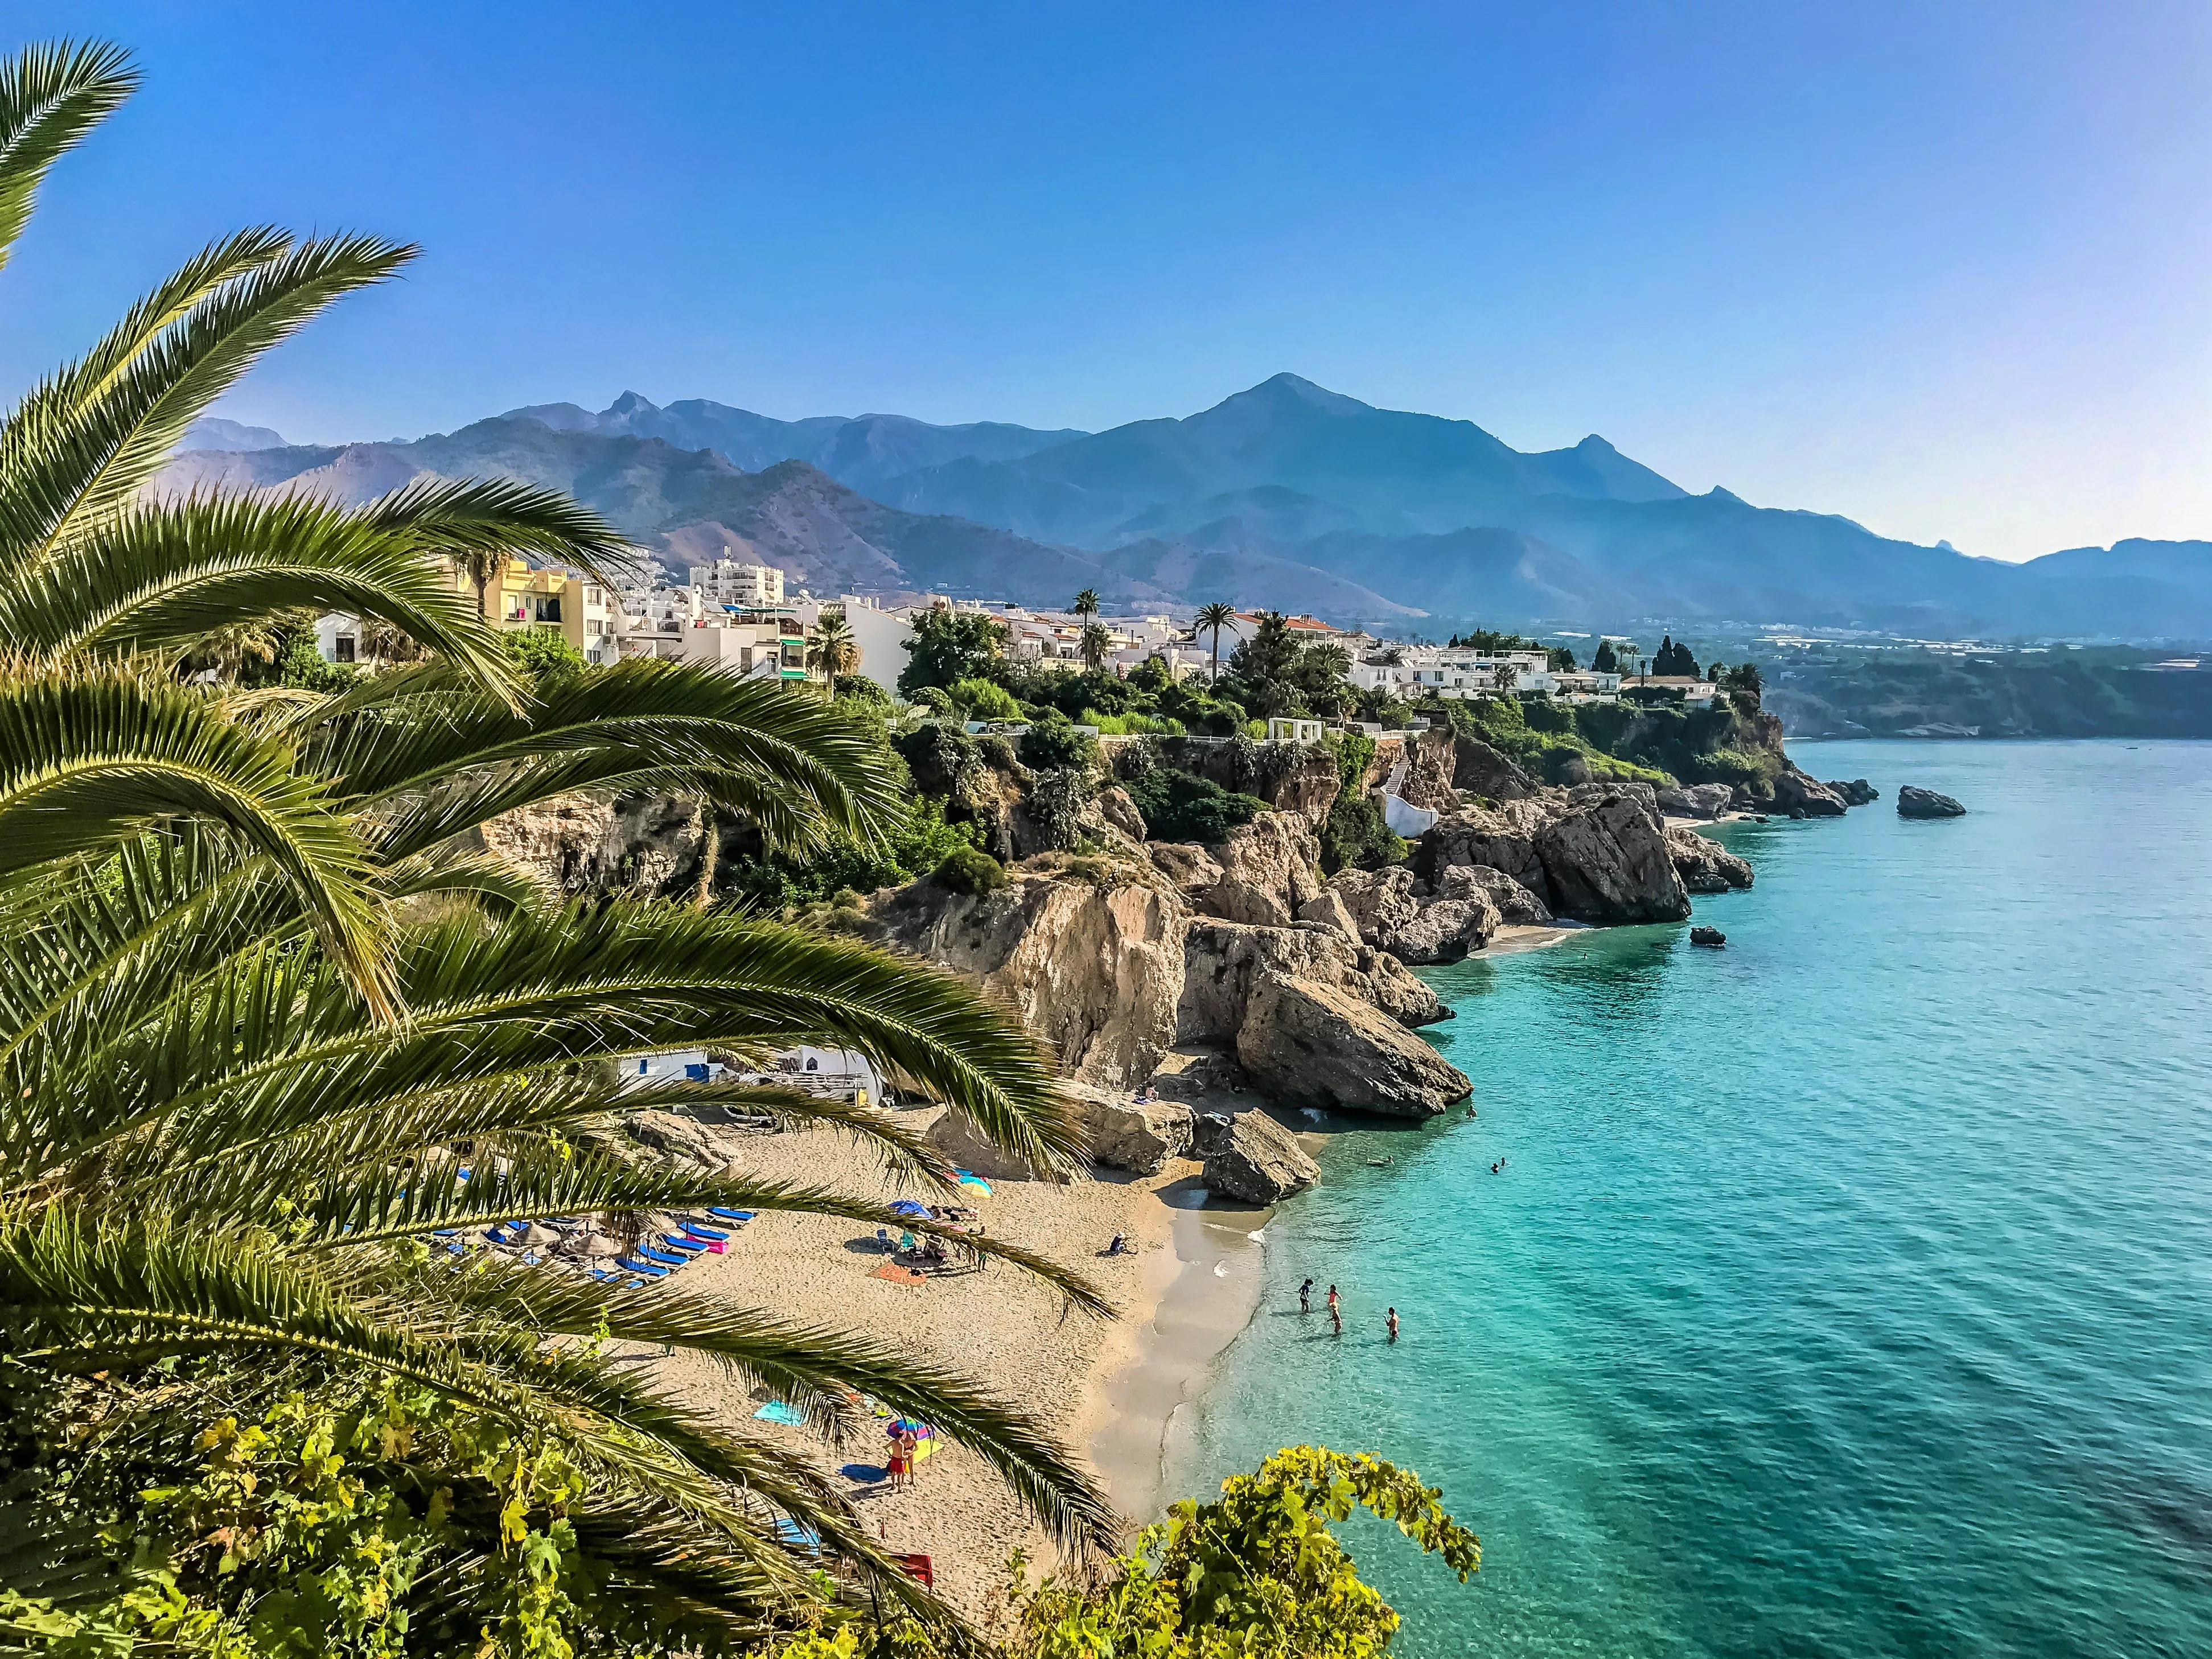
(532, 1233)
(592, 1243)
(908, 1207)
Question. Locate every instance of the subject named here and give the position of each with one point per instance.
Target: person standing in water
(1394, 1324)
(1335, 1313)
(1305, 1297)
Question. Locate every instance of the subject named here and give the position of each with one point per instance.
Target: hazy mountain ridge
(1287, 495)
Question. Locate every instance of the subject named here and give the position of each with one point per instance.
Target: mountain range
(1287, 495)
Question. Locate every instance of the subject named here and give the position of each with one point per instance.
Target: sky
(1940, 267)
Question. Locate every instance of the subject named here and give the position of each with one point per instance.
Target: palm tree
(1214, 618)
(1086, 603)
(832, 649)
(219, 1143)
(482, 566)
(1096, 643)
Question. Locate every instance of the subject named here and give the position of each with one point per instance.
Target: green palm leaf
(51, 95)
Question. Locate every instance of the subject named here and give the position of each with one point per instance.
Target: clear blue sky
(1943, 268)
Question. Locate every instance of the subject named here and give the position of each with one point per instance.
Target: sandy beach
(1108, 1387)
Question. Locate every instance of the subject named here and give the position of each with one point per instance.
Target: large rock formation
(964, 1146)
(1126, 1134)
(1481, 770)
(1270, 869)
(1704, 865)
(1252, 1157)
(578, 844)
(1095, 970)
(1223, 961)
(1695, 800)
(1857, 792)
(1609, 863)
(1309, 1044)
(1796, 793)
(1914, 802)
(1397, 914)
(1503, 837)
(1516, 906)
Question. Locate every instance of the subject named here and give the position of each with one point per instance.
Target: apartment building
(583, 611)
(733, 582)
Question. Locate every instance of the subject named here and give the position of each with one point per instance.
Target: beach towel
(777, 1411)
(898, 1275)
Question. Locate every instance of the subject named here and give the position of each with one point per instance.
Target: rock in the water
(1253, 1159)
(1807, 796)
(1609, 863)
(1705, 866)
(1130, 1134)
(1708, 936)
(1856, 793)
(1308, 1044)
(1330, 910)
(1695, 800)
(1270, 867)
(1516, 906)
(1913, 802)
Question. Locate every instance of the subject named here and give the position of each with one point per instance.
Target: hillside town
(744, 616)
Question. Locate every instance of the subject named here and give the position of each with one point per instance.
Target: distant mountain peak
(213, 432)
(1595, 445)
(1287, 386)
(632, 403)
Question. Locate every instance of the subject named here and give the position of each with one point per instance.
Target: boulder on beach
(1126, 1134)
(1252, 1157)
(1308, 1044)
(1913, 802)
(1609, 862)
(1516, 906)
(1395, 913)
(1695, 800)
(964, 1146)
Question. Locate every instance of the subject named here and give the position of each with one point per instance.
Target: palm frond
(91, 757)
(51, 95)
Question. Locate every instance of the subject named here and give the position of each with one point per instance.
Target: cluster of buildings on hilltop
(739, 616)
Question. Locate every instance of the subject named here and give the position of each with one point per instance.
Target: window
(344, 648)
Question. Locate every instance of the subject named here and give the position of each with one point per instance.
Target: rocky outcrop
(1795, 793)
(1479, 769)
(1253, 1158)
(1309, 1044)
(1609, 862)
(1223, 961)
(1094, 970)
(1115, 806)
(1503, 837)
(1516, 906)
(1705, 866)
(1330, 911)
(671, 1135)
(1270, 868)
(964, 1146)
(1186, 866)
(1712, 937)
(1914, 802)
(1856, 793)
(1125, 1133)
(639, 844)
(1695, 800)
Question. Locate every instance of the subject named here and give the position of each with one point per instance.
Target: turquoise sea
(1847, 1291)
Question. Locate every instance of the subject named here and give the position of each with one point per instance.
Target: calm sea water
(1848, 1291)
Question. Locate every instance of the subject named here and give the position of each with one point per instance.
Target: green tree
(949, 647)
(269, 1025)
(1605, 662)
(538, 652)
(1096, 643)
(1086, 603)
(1211, 619)
(833, 649)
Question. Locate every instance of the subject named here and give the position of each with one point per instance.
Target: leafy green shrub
(936, 699)
(1132, 725)
(541, 651)
(1053, 743)
(918, 845)
(949, 647)
(941, 754)
(305, 670)
(860, 690)
(1180, 806)
(969, 869)
(1354, 837)
(986, 700)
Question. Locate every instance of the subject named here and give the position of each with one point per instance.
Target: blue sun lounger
(665, 1257)
(720, 1213)
(689, 1247)
(644, 1267)
(699, 1230)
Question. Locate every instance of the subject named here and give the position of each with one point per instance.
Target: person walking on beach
(1305, 1297)
(1394, 1324)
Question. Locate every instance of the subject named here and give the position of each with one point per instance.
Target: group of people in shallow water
(1336, 1309)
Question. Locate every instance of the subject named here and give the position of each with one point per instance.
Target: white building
(733, 582)
(881, 634)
